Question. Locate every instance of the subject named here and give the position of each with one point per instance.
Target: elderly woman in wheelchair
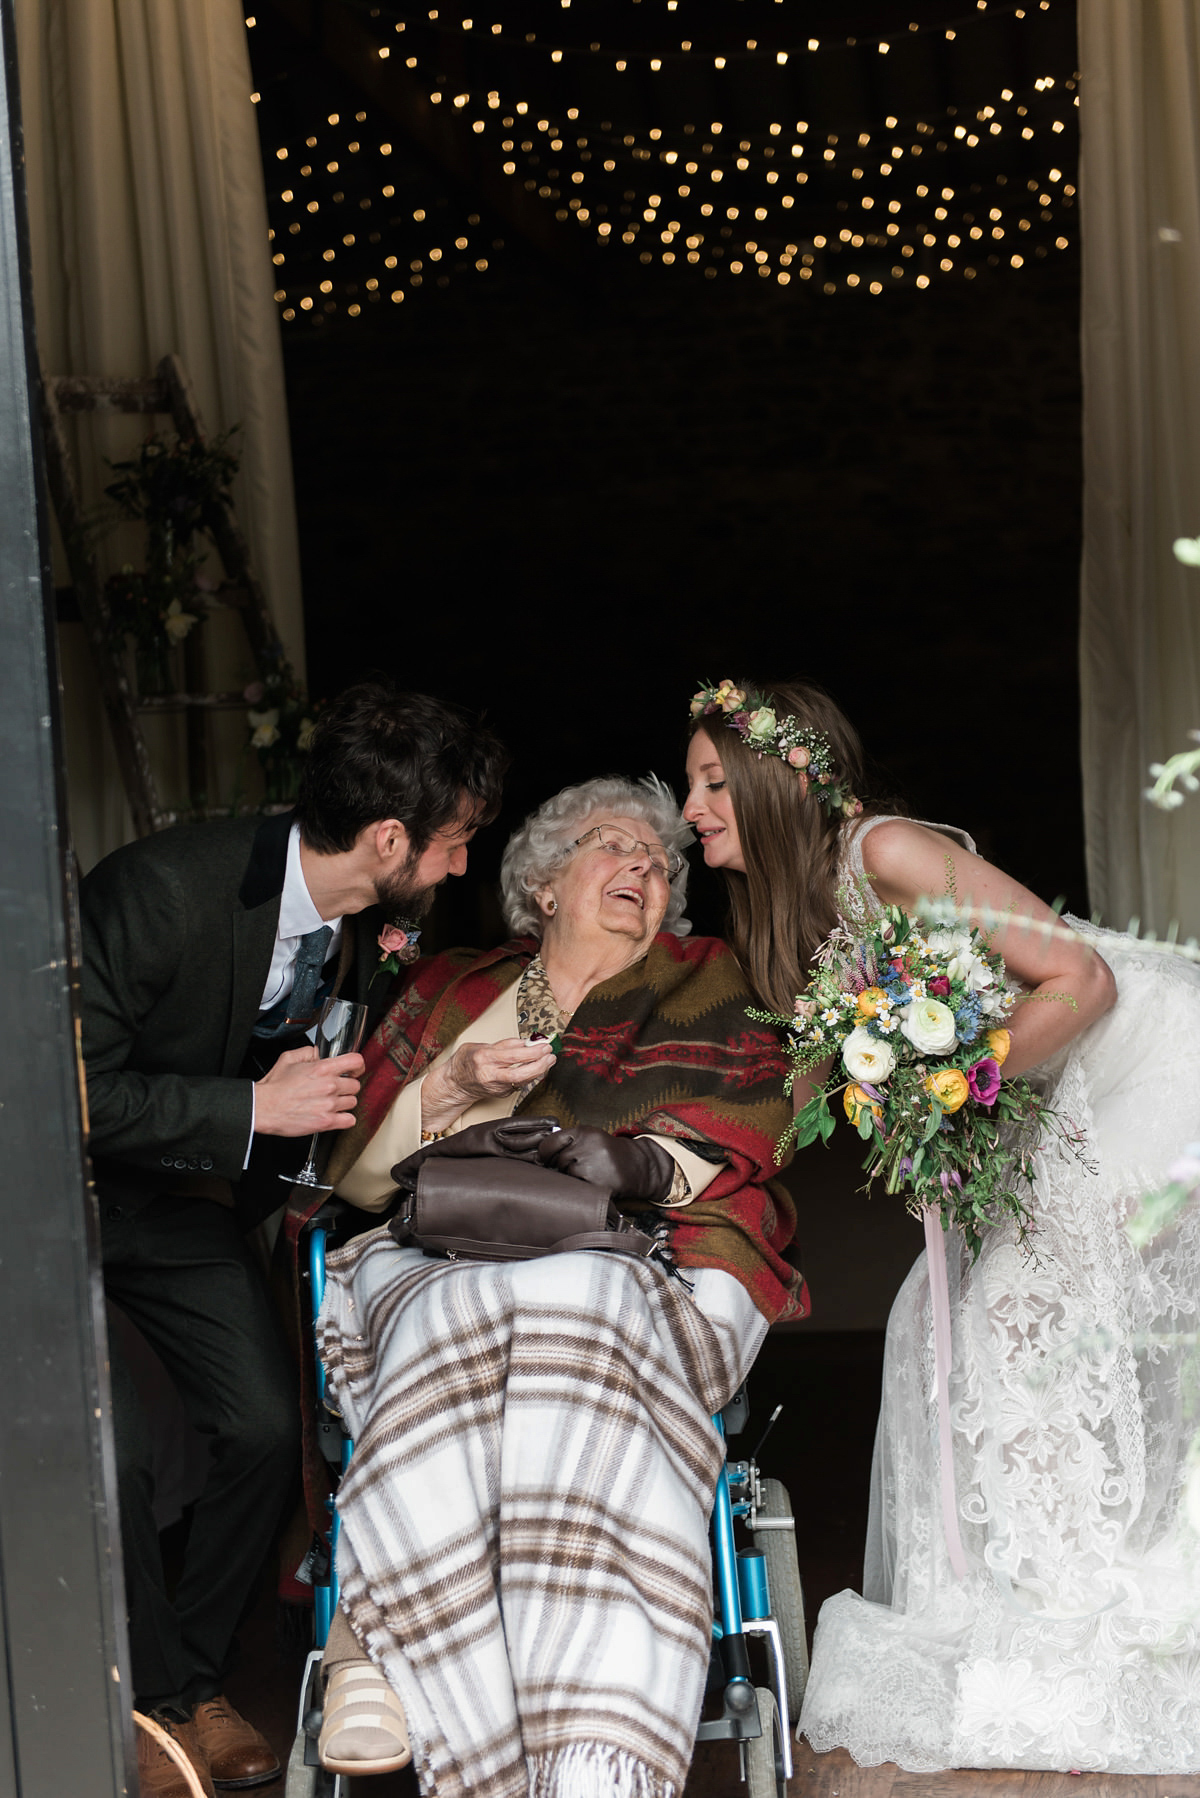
(526, 1594)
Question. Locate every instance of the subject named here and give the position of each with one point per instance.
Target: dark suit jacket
(178, 933)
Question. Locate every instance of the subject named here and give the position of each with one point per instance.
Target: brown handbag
(484, 1195)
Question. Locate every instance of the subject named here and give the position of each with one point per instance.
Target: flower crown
(802, 747)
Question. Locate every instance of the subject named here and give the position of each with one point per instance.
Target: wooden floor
(821, 1450)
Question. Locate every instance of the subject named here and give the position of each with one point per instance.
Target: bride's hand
(480, 1071)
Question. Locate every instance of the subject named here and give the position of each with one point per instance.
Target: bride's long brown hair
(785, 904)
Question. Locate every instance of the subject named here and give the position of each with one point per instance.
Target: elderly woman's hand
(480, 1071)
(631, 1167)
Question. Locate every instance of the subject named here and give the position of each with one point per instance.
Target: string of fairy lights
(864, 209)
(455, 247)
(442, 20)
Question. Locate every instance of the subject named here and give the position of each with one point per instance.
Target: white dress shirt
(297, 917)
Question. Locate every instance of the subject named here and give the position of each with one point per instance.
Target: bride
(1072, 1638)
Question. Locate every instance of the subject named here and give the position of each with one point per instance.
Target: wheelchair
(758, 1622)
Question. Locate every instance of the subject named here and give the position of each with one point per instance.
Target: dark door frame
(64, 1668)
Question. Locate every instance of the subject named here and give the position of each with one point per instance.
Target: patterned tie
(300, 1003)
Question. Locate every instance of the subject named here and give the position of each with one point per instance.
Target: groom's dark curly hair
(378, 753)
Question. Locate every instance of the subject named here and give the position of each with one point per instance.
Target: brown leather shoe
(158, 1775)
(237, 1754)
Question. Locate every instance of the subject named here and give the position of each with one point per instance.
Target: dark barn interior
(561, 477)
(613, 476)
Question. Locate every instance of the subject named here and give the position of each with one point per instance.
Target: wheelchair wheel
(764, 1754)
(787, 1594)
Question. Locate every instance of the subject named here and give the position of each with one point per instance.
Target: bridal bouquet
(914, 1022)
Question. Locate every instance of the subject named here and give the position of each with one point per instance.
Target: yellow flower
(871, 1000)
(999, 1042)
(729, 697)
(856, 1101)
(176, 622)
(949, 1087)
(264, 726)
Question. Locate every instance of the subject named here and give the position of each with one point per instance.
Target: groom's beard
(398, 893)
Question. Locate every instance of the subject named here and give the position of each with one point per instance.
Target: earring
(552, 906)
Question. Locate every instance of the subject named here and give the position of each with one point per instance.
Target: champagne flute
(341, 1026)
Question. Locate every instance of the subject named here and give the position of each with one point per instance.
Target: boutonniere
(398, 946)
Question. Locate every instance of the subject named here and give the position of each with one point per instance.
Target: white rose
(948, 939)
(929, 1027)
(971, 970)
(866, 1058)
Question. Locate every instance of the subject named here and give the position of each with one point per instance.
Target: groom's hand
(302, 1094)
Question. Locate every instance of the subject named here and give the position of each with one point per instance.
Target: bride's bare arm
(907, 862)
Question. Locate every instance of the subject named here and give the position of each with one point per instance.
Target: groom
(206, 952)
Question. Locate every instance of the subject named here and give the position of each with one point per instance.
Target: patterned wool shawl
(664, 1047)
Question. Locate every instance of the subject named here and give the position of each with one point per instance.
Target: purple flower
(984, 1081)
(949, 1180)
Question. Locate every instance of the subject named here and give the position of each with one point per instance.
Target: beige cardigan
(369, 1184)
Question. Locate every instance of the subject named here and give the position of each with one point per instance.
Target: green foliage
(816, 1120)
(280, 721)
(172, 486)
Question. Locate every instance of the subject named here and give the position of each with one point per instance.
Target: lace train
(1074, 1640)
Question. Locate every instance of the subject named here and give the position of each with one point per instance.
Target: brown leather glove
(515, 1139)
(630, 1167)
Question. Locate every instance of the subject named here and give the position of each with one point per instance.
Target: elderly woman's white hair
(547, 839)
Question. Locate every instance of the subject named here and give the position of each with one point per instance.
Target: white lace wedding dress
(1073, 1642)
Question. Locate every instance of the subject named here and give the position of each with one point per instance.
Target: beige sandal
(363, 1729)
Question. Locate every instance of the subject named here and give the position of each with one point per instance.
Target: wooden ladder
(167, 393)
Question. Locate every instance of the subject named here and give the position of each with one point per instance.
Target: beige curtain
(1140, 623)
(149, 234)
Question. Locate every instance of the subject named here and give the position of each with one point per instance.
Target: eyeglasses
(667, 862)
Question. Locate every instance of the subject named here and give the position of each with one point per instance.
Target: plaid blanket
(524, 1544)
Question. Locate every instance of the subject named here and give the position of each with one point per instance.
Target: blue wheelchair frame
(744, 1602)
(743, 1595)
(325, 1596)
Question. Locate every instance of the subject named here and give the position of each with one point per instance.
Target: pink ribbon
(939, 1293)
